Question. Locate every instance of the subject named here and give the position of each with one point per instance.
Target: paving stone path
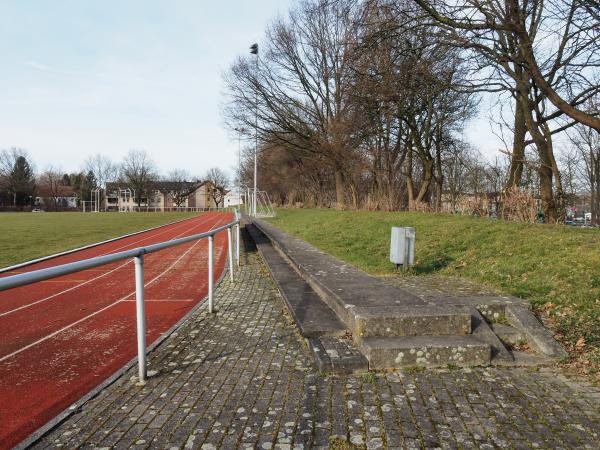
(243, 379)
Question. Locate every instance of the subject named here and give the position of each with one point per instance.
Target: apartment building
(161, 195)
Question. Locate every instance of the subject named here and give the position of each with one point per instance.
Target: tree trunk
(594, 211)
(518, 150)
(339, 189)
(354, 196)
(410, 185)
(595, 184)
(439, 179)
(426, 182)
(546, 157)
(595, 187)
(559, 195)
(546, 193)
(597, 199)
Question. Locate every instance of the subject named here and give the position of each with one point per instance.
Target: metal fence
(138, 256)
(176, 209)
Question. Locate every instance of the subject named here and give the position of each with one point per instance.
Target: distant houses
(163, 195)
(233, 199)
(58, 198)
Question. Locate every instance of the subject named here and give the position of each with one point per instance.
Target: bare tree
(300, 90)
(218, 181)
(366, 100)
(178, 186)
(138, 172)
(103, 168)
(546, 55)
(51, 185)
(586, 143)
(555, 43)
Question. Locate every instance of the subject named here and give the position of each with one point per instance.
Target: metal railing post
(211, 255)
(230, 249)
(237, 244)
(140, 316)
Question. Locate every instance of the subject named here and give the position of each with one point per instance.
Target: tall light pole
(240, 131)
(254, 51)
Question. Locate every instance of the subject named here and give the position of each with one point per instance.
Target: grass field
(25, 236)
(557, 268)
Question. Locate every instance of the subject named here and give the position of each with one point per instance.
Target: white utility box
(402, 248)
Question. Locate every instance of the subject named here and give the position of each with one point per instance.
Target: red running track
(62, 337)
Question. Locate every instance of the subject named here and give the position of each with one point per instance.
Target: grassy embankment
(25, 236)
(557, 268)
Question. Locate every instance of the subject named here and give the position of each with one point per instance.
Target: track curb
(85, 247)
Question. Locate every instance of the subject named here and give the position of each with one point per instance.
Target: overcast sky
(103, 76)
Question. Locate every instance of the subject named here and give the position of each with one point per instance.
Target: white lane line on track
(50, 297)
(149, 237)
(163, 300)
(77, 322)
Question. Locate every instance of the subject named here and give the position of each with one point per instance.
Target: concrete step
(337, 355)
(483, 331)
(507, 334)
(414, 320)
(425, 351)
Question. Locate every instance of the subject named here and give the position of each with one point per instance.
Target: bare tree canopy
(103, 168)
(586, 159)
(138, 171)
(180, 186)
(299, 88)
(368, 100)
(218, 182)
(556, 43)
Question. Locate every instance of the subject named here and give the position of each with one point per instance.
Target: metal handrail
(137, 254)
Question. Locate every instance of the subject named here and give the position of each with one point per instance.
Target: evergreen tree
(21, 182)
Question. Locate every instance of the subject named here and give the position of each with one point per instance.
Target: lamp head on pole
(254, 49)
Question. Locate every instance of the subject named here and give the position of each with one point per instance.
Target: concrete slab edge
(346, 365)
(538, 337)
(329, 297)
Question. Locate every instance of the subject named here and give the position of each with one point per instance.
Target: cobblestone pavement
(242, 379)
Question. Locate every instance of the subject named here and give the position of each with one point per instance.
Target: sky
(79, 78)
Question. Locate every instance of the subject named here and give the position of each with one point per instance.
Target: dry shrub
(424, 207)
(473, 205)
(519, 205)
(372, 204)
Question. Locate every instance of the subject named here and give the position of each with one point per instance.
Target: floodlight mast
(240, 131)
(254, 51)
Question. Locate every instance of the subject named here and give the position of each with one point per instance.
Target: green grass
(25, 236)
(557, 268)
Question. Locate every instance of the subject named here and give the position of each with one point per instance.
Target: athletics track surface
(62, 337)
